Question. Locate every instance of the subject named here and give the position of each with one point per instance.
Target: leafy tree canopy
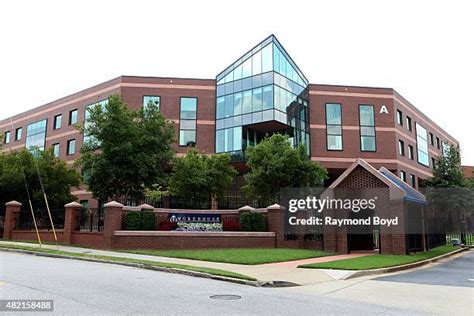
(58, 178)
(448, 191)
(125, 151)
(199, 176)
(275, 164)
(447, 172)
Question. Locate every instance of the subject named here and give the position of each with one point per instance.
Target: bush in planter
(230, 225)
(253, 222)
(245, 220)
(140, 221)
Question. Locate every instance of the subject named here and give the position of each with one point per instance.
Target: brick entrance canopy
(393, 198)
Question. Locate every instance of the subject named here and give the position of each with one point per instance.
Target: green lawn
(248, 256)
(379, 261)
(217, 272)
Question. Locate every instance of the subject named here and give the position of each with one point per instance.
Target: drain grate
(226, 297)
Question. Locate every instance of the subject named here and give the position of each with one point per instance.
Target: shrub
(259, 222)
(245, 220)
(253, 222)
(230, 225)
(167, 226)
(140, 221)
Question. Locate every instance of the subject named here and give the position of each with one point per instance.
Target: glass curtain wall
(102, 104)
(36, 135)
(263, 85)
(422, 145)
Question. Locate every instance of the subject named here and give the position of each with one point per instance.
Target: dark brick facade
(132, 89)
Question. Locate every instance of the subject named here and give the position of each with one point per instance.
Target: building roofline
(242, 56)
(395, 93)
(156, 77)
(280, 46)
(62, 99)
(423, 115)
(115, 80)
(349, 86)
(122, 78)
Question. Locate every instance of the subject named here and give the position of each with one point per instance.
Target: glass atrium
(261, 93)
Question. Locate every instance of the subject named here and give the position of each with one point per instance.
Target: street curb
(150, 267)
(402, 267)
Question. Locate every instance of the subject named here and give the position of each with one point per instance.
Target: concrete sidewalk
(281, 271)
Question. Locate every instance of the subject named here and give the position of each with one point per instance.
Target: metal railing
(91, 220)
(25, 220)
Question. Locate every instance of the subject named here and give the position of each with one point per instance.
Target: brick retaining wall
(191, 240)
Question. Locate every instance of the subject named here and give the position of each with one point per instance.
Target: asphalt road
(459, 272)
(80, 288)
(444, 288)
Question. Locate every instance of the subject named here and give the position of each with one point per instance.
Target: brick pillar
(12, 211)
(71, 212)
(147, 207)
(276, 222)
(112, 222)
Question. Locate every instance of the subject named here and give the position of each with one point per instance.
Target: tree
(447, 172)
(449, 193)
(198, 176)
(58, 178)
(126, 151)
(275, 164)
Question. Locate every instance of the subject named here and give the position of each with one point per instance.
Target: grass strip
(217, 272)
(380, 261)
(247, 256)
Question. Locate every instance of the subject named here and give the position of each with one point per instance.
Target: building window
(412, 180)
(409, 123)
(36, 135)
(151, 99)
(18, 133)
(71, 147)
(333, 126)
(367, 128)
(87, 114)
(403, 176)
(187, 121)
(230, 139)
(57, 121)
(399, 118)
(422, 145)
(262, 86)
(446, 147)
(56, 150)
(410, 152)
(6, 137)
(72, 117)
(431, 139)
(438, 144)
(401, 147)
(433, 162)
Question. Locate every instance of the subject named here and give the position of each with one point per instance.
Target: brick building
(468, 171)
(262, 92)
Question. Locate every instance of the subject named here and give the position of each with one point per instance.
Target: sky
(423, 49)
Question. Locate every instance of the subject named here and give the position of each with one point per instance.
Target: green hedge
(253, 222)
(140, 221)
